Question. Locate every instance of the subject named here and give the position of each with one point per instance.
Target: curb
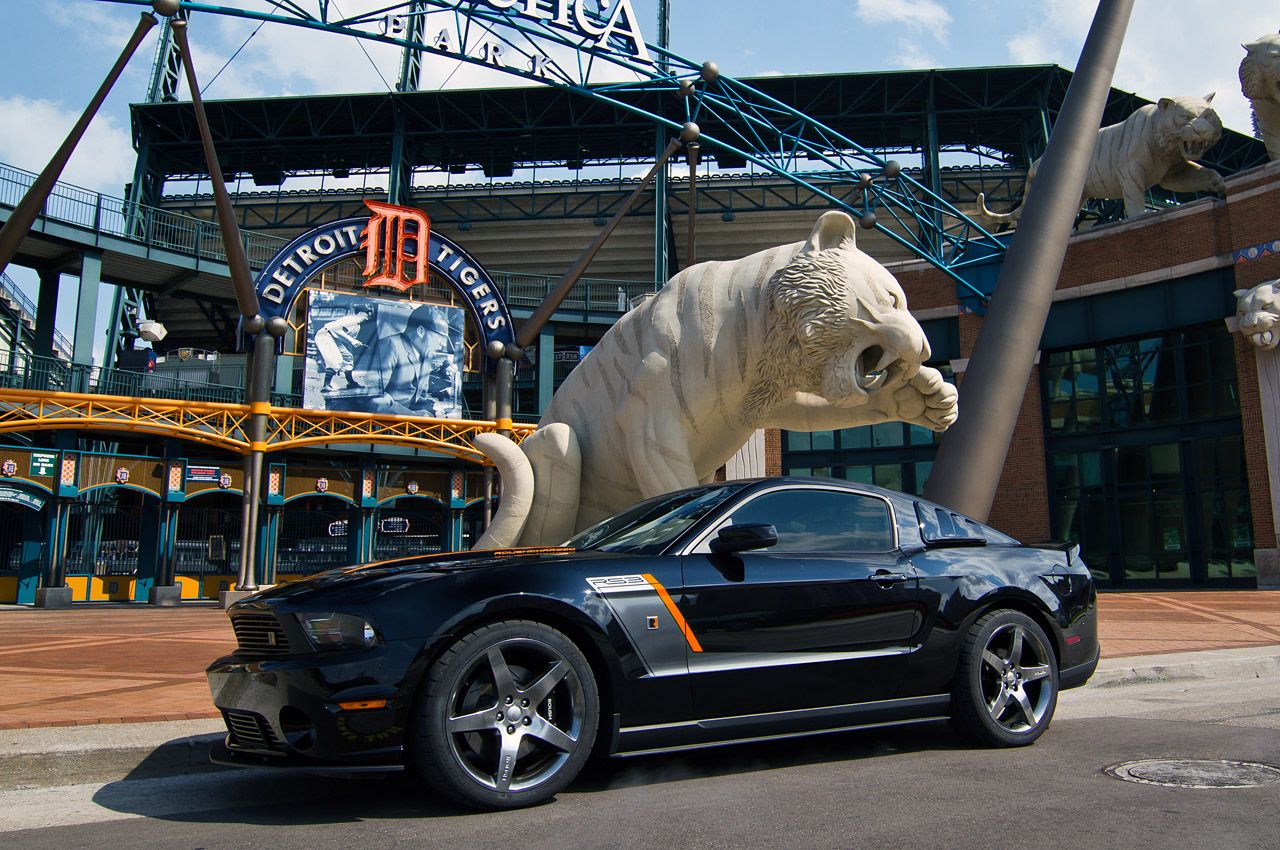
(51, 756)
(1206, 665)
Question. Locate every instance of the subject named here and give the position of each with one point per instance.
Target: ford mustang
(729, 612)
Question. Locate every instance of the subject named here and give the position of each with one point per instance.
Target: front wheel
(508, 716)
(1006, 684)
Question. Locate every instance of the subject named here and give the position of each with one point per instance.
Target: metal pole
(24, 215)
(258, 377)
(691, 245)
(264, 349)
(533, 325)
(972, 455)
(237, 263)
(489, 408)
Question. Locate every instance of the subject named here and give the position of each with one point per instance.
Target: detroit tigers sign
(399, 249)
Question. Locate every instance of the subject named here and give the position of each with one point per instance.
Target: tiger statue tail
(541, 485)
(987, 217)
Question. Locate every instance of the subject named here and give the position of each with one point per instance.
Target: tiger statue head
(1186, 127)
(1258, 312)
(1260, 82)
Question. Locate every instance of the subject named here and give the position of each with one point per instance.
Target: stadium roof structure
(1000, 114)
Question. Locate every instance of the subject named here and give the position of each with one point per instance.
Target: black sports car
(729, 612)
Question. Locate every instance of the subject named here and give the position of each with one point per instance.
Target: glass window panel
(923, 470)
(1164, 461)
(918, 435)
(823, 440)
(1171, 540)
(861, 474)
(1090, 469)
(887, 434)
(856, 438)
(1066, 477)
(889, 475)
(798, 441)
(822, 472)
(822, 521)
(799, 470)
(1132, 467)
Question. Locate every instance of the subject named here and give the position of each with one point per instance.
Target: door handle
(886, 579)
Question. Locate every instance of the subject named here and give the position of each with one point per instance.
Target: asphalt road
(917, 787)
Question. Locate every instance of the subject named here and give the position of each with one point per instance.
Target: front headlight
(338, 631)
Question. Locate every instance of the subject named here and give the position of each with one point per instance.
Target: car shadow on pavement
(208, 793)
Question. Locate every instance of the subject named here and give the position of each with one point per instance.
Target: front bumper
(285, 711)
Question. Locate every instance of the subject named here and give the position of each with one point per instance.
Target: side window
(822, 521)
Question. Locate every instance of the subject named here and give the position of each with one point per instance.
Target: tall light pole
(973, 452)
(264, 333)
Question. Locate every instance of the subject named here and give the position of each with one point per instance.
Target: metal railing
(22, 371)
(149, 226)
(593, 295)
(27, 311)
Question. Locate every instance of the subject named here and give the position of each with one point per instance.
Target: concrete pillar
(546, 367)
(46, 312)
(1267, 557)
(87, 309)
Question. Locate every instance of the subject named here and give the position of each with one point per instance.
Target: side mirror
(745, 537)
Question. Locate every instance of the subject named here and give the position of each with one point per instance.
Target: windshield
(648, 527)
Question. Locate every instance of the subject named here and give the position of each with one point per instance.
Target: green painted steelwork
(740, 122)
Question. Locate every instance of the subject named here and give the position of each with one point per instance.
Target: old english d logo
(395, 243)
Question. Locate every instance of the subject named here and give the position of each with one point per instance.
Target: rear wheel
(1006, 684)
(508, 716)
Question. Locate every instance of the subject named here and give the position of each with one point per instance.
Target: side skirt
(665, 737)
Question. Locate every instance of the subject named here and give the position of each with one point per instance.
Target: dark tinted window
(822, 520)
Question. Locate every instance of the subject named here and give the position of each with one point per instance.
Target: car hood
(376, 577)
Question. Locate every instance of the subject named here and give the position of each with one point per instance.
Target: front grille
(250, 731)
(259, 634)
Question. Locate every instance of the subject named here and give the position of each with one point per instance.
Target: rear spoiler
(1071, 550)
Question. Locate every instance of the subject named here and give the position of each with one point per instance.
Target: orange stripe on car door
(675, 612)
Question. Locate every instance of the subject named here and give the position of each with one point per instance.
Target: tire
(543, 688)
(1006, 683)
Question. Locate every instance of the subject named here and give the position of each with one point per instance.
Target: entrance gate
(411, 525)
(314, 531)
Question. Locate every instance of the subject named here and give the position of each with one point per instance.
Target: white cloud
(917, 15)
(31, 130)
(1170, 49)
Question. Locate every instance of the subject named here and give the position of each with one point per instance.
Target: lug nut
(510, 700)
(524, 703)
(528, 721)
(511, 730)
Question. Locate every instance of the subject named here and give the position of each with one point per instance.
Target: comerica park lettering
(290, 272)
(606, 29)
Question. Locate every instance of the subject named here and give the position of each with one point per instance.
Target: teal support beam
(411, 60)
(46, 312)
(400, 171)
(151, 530)
(87, 309)
(931, 160)
(546, 368)
(268, 541)
(30, 563)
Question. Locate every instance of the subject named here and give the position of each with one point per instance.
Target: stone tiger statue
(1258, 314)
(1260, 82)
(811, 336)
(1157, 145)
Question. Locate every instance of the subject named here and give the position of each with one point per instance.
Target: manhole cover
(1195, 773)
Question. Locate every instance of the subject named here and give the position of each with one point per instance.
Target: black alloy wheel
(508, 716)
(1006, 684)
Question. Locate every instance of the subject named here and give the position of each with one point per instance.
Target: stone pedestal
(1268, 563)
(165, 595)
(227, 598)
(53, 597)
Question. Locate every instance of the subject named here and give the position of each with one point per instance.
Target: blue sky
(56, 54)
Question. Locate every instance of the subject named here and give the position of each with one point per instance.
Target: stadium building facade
(1142, 429)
